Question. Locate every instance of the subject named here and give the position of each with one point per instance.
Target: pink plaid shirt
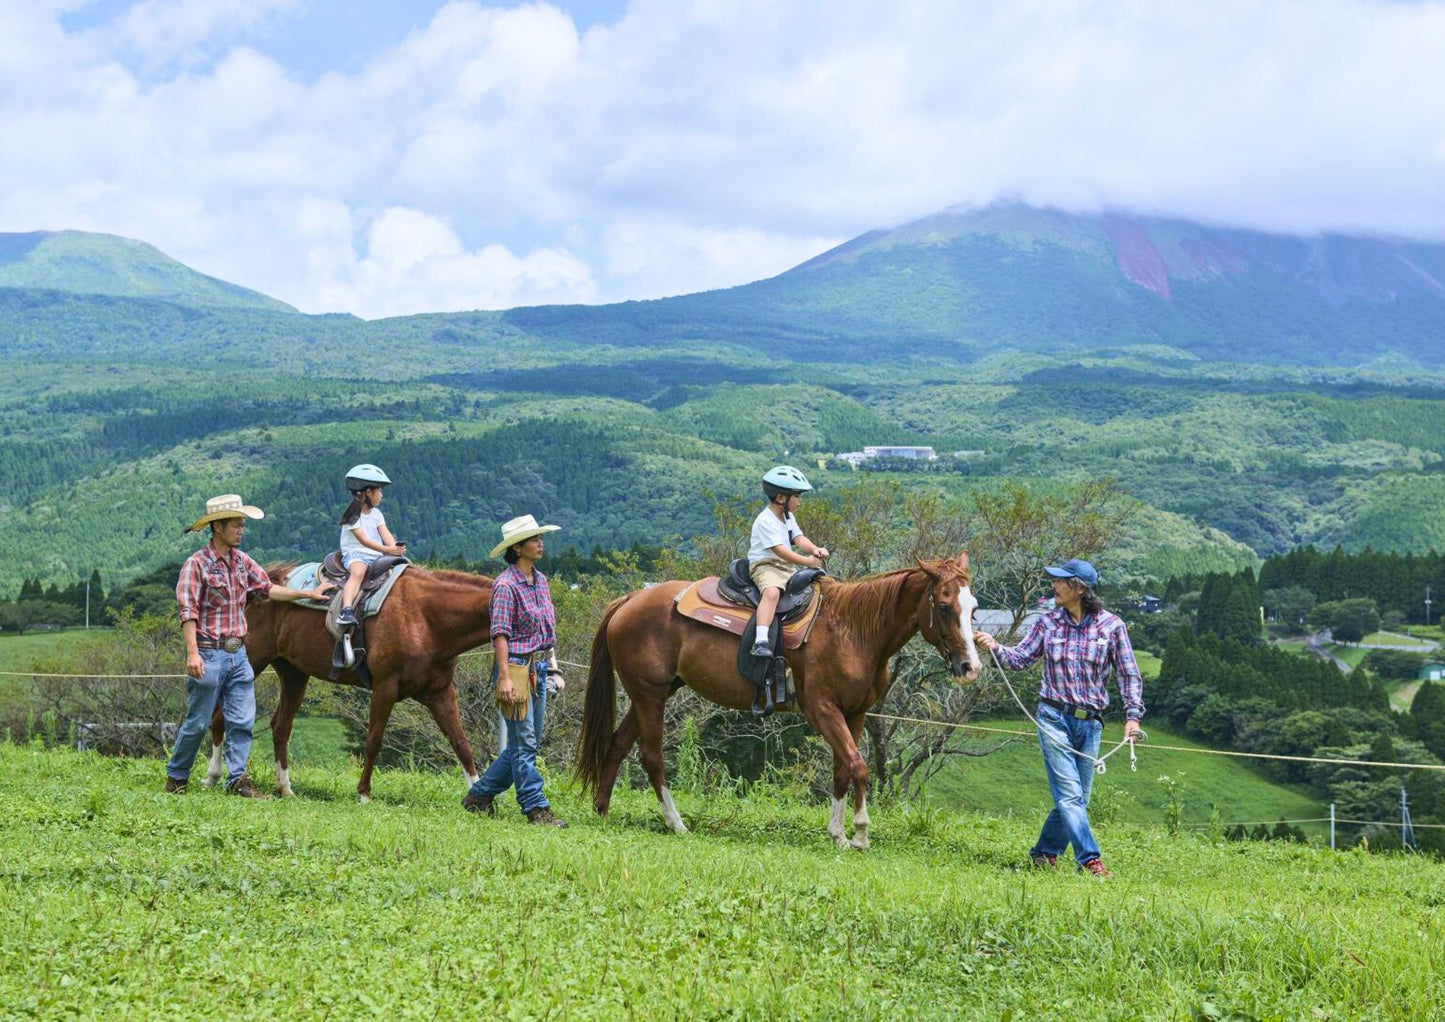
(212, 592)
(1078, 659)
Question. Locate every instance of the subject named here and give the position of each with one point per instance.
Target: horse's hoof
(209, 782)
(842, 843)
(284, 792)
(858, 844)
(363, 798)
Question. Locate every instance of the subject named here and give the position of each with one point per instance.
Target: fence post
(1332, 826)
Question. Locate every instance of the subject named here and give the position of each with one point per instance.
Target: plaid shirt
(1077, 660)
(212, 592)
(522, 611)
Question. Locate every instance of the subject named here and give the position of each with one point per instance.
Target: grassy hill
(1012, 780)
(116, 899)
(102, 264)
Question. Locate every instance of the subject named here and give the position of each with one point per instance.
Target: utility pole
(1332, 826)
(87, 604)
(1427, 604)
(1407, 830)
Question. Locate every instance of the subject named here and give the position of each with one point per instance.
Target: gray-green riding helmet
(784, 479)
(364, 477)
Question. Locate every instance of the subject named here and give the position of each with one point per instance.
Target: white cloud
(698, 143)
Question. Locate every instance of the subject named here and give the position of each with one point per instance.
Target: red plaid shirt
(212, 592)
(522, 611)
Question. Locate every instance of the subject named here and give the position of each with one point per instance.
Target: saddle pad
(700, 602)
(303, 576)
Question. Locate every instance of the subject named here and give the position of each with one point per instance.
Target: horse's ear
(931, 570)
(963, 560)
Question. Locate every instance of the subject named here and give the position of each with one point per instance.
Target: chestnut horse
(838, 674)
(412, 646)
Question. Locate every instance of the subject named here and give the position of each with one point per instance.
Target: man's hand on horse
(319, 593)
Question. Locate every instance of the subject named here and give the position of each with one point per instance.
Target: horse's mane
(277, 571)
(864, 605)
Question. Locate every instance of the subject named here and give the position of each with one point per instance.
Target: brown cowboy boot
(544, 816)
(244, 788)
(175, 787)
(479, 804)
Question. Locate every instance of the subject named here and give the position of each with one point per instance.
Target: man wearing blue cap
(1081, 643)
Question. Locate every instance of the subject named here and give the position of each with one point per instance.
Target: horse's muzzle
(959, 666)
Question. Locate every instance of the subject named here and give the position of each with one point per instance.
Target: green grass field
(119, 901)
(19, 652)
(1405, 642)
(1012, 780)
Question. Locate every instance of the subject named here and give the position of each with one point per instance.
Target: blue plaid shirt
(522, 611)
(1078, 659)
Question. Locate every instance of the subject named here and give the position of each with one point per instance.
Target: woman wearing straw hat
(524, 633)
(211, 593)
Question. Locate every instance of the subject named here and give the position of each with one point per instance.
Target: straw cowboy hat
(519, 529)
(227, 505)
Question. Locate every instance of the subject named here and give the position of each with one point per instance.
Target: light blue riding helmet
(364, 477)
(784, 479)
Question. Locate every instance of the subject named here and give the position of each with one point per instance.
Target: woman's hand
(986, 640)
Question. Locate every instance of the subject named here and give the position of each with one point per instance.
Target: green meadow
(119, 901)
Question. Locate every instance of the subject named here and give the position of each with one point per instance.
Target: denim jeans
(538, 710)
(516, 762)
(227, 679)
(1070, 778)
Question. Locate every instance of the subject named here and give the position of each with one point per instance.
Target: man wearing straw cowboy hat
(211, 592)
(524, 634)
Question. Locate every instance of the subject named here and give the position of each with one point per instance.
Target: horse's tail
(599, 708)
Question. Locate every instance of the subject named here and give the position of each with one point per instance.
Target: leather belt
(232, 645)
(1077, 712)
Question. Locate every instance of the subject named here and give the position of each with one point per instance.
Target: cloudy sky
(384, 157)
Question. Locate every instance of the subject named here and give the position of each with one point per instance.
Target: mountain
(1251, 392)
(965, 282)
(103, 264)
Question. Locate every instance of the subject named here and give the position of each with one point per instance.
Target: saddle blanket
(303, 576)
(700, 602)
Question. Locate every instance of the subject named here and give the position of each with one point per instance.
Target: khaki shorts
(772, 572)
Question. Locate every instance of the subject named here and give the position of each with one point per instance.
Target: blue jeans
(1070, 778)
(516, 762)
(227, 679)
(538, 711)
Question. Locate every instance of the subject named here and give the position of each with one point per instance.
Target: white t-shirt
(770, 531)
(369, 525)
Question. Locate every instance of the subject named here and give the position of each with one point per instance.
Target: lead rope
(1100, 767)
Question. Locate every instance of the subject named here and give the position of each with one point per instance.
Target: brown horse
(412, 646)
(839, 673)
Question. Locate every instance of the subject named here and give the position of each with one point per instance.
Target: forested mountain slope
(1005, 334)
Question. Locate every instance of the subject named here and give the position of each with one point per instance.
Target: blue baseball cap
(1076, 568)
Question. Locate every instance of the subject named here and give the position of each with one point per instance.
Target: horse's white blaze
(967, 604)
(835, 818)
(216, 768)
(670, 813)
(283, 781)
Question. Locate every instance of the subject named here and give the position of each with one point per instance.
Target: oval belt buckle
(233, 645)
